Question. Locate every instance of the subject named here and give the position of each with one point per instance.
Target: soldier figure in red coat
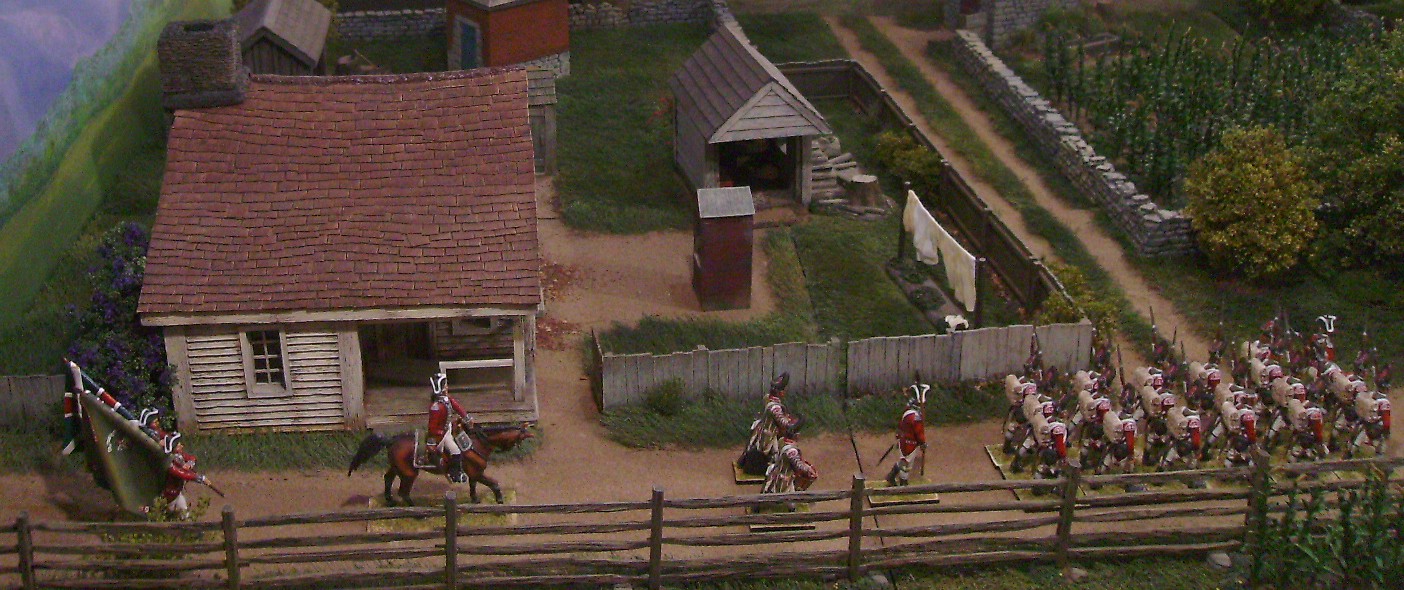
(911, 434)
(444, 412)
(181, 470)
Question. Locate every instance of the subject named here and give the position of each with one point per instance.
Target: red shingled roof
(349, 193)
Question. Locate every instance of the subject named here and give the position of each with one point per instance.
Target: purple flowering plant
(111, 345)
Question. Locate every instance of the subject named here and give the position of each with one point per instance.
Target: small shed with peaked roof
(739, 121)
(287, 37)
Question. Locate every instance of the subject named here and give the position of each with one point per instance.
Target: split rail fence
(672, 541)
(1025, 277)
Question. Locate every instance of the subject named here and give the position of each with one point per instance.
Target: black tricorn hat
(780, 383)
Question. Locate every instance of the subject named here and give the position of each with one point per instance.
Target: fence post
(655, 541)
(25, 545)
(1032, 287)
(855, 528)
(1260, 490)
(450, 540)
(1072, 480)
(981, 269)
(901, 226)
(231, 546)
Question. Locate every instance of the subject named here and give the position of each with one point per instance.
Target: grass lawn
(404, 55)
(1131, 574)
(790, 37)
(667, 419)
(792, 321)
(615, 129)
(852, 294)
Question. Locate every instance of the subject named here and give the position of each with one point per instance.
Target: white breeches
(904, 464)
(448, 445)
(179, 505)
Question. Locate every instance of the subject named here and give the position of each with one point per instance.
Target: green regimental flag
(133, 465)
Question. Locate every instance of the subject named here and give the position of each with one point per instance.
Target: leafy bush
(1252, 202)
(111, 345)
(1358, 155)
(910, 161)
(667, 398)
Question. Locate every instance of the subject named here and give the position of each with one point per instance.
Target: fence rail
(30, 399)
(842, 534)
(1027, 279)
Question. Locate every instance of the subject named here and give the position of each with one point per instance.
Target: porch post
(353, 380)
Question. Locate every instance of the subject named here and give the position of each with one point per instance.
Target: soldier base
(743, 478)
(780, 508)
(1002, 463)
(436, 523)
(880, 494)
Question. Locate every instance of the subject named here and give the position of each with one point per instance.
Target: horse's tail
(369, 448)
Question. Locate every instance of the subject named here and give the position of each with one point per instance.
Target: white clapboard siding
(220, 395)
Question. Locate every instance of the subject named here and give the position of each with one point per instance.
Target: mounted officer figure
(911, 434)
(766, 429)
(444, 411)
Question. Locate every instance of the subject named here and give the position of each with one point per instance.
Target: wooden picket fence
(30, 399)
(739, 372)
(870, 365)
(888, 363)
(844, 533)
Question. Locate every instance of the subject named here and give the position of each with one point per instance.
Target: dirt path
(1109, 254)
(592, 280)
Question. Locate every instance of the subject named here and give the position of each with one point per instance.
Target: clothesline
(934, 245)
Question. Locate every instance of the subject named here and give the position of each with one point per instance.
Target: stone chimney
(201, 65)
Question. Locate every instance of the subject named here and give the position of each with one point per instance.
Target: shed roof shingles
(420, 193)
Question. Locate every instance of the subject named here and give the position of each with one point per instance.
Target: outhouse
(490, 33)
(722, 246)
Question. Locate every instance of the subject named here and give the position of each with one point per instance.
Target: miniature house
(721, 259)
(739, 121)
(324, 246)
(287, 37)
(490, 33)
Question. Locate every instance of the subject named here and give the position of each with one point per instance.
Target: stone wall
(558, 64)
(597, 15)
(388, 24)
(1007, 17)
(1153, 230)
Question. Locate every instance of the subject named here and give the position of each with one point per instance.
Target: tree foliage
(1252, 203)
(1358, 155)
(112, 346)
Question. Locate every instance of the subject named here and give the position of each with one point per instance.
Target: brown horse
(402, 464)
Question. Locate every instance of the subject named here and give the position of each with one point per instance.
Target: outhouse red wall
(722, 246)
(511, 31)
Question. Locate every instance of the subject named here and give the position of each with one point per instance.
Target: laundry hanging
(926, 233)
(934, 244)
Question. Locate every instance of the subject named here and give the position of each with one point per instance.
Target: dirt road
(1110, 256)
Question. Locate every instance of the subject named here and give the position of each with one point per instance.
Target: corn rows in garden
(1159, 103)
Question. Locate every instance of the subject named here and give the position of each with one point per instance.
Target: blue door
(469, 56)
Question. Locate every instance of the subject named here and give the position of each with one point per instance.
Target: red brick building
(490, 33)
(326, 244)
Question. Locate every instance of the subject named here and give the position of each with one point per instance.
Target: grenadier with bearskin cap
(766, 429)
(911, 434)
